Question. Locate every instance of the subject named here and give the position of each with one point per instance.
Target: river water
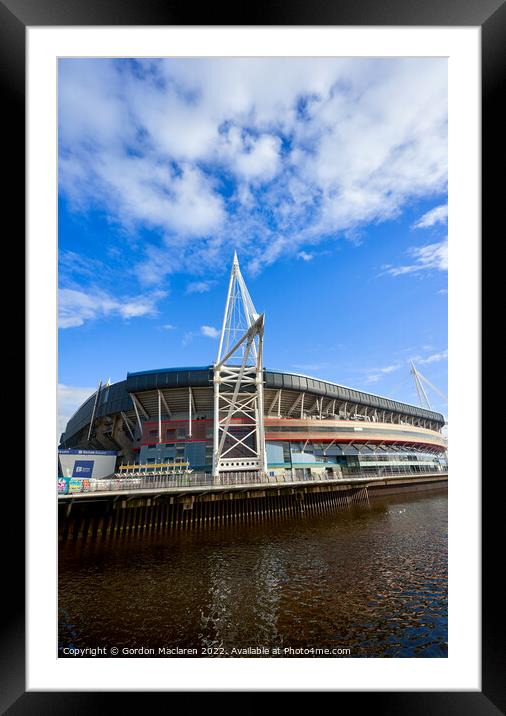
(372, 580)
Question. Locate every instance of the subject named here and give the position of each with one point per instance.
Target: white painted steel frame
(241, 340)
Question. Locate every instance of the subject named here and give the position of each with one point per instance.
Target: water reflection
(373, 579)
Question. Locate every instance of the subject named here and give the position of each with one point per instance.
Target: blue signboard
(83, 468)
(87, 452)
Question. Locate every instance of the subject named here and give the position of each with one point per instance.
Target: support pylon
(420, 389)
(239, 437)
(422, 395)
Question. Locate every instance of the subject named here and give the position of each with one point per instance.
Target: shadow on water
(372, 579)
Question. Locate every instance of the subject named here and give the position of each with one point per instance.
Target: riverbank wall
(119, 514)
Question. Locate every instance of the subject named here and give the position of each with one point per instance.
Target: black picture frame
(15, 17)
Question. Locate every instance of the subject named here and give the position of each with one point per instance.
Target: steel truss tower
(422, 395)
(239, 437)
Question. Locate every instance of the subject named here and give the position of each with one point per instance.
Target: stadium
(236, 416)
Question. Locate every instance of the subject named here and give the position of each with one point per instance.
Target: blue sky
(329, 178)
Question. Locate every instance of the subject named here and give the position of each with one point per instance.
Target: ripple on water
(373, 579)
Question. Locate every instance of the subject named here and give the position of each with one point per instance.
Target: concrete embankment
(113, 514)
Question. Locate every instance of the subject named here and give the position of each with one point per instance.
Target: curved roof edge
(116, 397)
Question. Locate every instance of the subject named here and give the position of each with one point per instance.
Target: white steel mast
(421, 390)
(422, 395)
(239, 437)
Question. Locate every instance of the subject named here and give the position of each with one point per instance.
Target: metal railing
(361, 471)
(237, 479)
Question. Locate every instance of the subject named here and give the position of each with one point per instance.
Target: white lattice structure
(422, 395)
(239, 439)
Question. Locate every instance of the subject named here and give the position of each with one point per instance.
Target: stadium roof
(116, 397)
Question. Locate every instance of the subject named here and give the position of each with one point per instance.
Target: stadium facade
(236, 415)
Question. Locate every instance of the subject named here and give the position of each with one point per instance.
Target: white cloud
(378, 142)
(142, 191)
(187, 338)
(305, 256)
(439, 215)
(373, 378)
(199, 287)
(209, 331)
(433, 358)
(337, 143)
(70, 397)
(376, 373)
(168, 326)
(390, 368)
(253, 159)
(71, 262)
(430, 257)
(77, 307)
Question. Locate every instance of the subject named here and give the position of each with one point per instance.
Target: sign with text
(83, 468)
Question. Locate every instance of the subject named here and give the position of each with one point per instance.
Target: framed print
(253, 353)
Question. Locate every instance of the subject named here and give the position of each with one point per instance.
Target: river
(368, 582)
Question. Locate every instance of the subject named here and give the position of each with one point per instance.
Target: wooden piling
(129, 518)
